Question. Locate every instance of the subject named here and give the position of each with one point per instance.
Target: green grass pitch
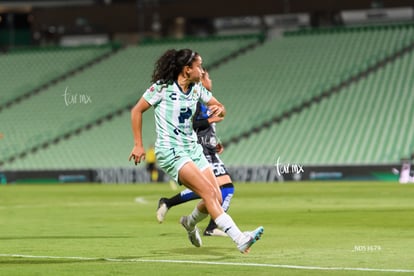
(311, 228)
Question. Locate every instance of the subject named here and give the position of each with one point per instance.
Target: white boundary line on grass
(208, 263)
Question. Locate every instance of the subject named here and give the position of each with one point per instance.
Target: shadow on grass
(188, 253)
(205, 252)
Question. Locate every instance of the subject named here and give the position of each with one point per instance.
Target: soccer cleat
(215, 232)
(193, 233)
(162, 209)
(249, 239)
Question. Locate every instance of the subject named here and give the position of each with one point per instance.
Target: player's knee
(210, 194)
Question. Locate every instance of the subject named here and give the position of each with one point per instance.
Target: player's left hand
(216, 110)
(219, 148)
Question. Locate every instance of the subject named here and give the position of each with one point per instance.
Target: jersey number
(218, 169)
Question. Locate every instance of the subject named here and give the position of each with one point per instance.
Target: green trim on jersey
(174, 111)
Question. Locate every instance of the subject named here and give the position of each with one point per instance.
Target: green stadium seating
(288, 71)
(369, 122)
(30, 68)
(106, 145)
(111, 84)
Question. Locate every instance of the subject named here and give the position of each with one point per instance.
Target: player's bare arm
(138, 151)
(214, 119)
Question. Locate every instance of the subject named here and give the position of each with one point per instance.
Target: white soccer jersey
(174, 112)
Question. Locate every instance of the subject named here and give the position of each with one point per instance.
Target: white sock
(226, 223)
(195, 217)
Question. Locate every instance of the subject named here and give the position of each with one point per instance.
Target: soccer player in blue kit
(174, 94)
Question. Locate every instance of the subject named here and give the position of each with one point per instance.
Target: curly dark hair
(170, 64)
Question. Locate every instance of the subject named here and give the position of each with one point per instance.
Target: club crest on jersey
(195, 94)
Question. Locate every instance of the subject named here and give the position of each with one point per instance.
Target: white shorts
(172, 160)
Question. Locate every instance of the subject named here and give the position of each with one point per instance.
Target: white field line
(209, 263)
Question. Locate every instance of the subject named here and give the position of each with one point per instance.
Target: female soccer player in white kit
(174, 95)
